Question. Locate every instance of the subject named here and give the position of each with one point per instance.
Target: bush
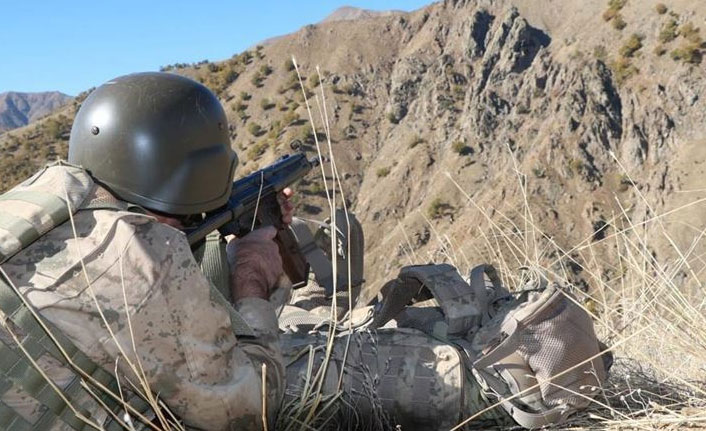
(600, 52)
(254, 129)
(618, 22)
(688, 54)
(416, 140)
(633, 44)
(244, 95)
(460, 147)
(382, 172)
(266, 104)
(661, 8)
(660, 50)
(623, 69)
(314, 81)
(289, 65)
(669, 31)
(392, 118)
(256, 80)
(614, 7)
(289, 118)
(265, 69)
(437, 208)
(258, 149)
(690, 33)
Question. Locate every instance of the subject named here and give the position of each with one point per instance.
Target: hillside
(564, 124)
(20, 109)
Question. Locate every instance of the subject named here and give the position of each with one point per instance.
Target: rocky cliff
(587, 112)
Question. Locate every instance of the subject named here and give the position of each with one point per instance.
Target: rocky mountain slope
(585, 110)
(20, 109)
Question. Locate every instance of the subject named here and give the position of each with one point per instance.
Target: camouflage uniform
(182, 328)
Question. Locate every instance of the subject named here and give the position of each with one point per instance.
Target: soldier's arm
(209, 377)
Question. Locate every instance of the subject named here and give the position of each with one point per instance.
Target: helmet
(158, 140)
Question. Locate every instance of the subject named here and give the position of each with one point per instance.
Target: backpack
(536, 355)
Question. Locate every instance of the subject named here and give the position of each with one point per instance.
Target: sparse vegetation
(660, 50)
(258, 149)
(288, 65)
(254, 129)
(661, 8)
(618, 22)
(633, 44)
(416, 140)
(266, 104)
(382, 172)
(392, 118)
(669, 32)
(459, 147)
(438, 208)
(614, 7)
(600, 53)
(623, 69)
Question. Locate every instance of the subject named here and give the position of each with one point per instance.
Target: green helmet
(158, 140)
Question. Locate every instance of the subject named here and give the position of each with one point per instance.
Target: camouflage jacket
(138, 267)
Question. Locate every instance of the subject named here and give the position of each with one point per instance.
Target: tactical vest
(89, 393)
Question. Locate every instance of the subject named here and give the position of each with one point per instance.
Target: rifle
(259, 191)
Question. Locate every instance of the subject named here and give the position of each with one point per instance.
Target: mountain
(598, 108)
(347, 13)
(20, 109)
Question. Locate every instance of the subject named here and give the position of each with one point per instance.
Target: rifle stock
(259, 190)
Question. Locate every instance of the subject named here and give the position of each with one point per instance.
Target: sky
(71, 46)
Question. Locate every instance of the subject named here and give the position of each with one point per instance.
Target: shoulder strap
(212, 258)
(18, 368)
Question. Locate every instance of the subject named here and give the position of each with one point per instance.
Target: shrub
(266, 104)
(290, 117)
(416, 140)
(239, 107)
(614, 7)
(618, 22)
(688, 54)
(392, 118)
(265, 69)
(244, 95)
(289, 65)
(314, 81)
(660, 50)
(460, 147)
(254, 129)
(661, 8)
(382, 172)
(690, 33)
(258, 149)
(437, 208)
(600, 52)
(256, 80)
(633, 44)
(623, 69)
(669, 31)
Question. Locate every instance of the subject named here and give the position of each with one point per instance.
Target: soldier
(148, 153)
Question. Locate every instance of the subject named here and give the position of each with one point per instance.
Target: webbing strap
(462, 310)
(213, 260)
(16, 367)
(477, 282)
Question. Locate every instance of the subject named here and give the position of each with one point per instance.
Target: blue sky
(71, 46)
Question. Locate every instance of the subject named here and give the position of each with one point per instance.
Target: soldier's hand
(255, 264)
(285, 205)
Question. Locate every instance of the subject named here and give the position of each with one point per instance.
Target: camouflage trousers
(390, 378)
